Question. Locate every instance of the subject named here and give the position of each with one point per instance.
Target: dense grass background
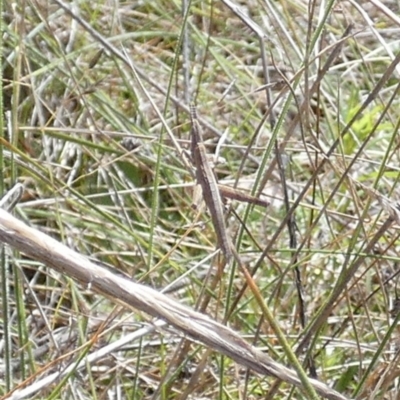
(292, 96)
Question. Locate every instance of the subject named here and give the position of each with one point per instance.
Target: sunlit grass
(106, 175)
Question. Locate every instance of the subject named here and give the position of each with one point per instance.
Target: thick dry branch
(196, 326)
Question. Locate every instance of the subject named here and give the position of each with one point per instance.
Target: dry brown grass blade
(197, 326)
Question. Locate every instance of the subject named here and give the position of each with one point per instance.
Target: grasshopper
(212, 192)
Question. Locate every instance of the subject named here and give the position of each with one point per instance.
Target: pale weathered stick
(196, 326)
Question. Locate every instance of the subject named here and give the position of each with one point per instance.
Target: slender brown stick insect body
(205, 177)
